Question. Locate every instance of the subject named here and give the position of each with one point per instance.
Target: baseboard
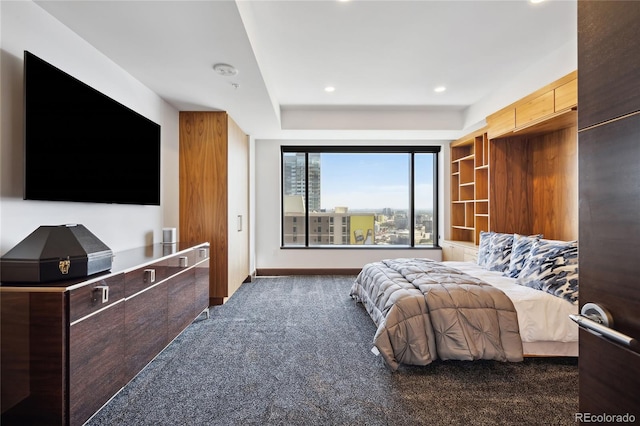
(270, 272)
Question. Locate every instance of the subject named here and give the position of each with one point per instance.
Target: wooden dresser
(68, 347)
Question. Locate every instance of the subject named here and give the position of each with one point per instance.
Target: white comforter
(541, 316)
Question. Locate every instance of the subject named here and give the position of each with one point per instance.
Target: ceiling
(384, 58)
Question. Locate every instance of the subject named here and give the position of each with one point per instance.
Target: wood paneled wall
(203, 200)
(534, 184)
(510, 185)
(555, 184)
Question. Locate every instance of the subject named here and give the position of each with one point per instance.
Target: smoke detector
(225, 70)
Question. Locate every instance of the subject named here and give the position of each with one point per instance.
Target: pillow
(519, 253)
(552, 266)
(484, 247)
(500, 252)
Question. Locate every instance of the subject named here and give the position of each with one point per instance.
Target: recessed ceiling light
(225, 69)
(329, 89)
(439, 89)
(535, 1)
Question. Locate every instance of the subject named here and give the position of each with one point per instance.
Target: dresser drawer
(202, 253)
(95, 296)
(137, 280)
(180, 262)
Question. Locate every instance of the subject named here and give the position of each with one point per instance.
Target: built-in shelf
(518, 174)
(469, 185)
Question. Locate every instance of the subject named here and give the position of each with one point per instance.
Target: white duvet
(542, 317)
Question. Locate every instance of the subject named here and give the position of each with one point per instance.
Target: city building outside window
(381, 196)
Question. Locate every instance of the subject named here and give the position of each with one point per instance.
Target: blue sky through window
(374, 181)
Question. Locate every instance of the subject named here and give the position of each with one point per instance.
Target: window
(381, 196)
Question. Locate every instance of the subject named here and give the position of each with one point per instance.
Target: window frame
(333, 149)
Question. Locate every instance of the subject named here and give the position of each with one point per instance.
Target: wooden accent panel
(535, 109)
(598, 368)
(45, 364)
(203, 189)
(86, 299)
(145, 328)
(501, 122)
(510, 186)
(609, 221)
(609, 247)
(555, 184)
(534, 184)
(608, 60)
(96, 362)
(182, 298)
(566, 96)
(14, 348)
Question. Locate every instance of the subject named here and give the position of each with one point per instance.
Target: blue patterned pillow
(519, 253)
(484, 247)
(552, 266)
(500, 252)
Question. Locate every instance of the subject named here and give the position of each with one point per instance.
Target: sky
(373, 181)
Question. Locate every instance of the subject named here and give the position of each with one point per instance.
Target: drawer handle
(149, 275)
(183, 261)
(100, 292)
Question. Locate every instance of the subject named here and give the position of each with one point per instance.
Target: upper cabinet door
(609, 60)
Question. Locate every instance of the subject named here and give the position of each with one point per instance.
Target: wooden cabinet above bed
(519, 173)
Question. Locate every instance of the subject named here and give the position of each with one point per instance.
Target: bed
(514, 302)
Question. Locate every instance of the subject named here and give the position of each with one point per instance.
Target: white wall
(26, 26)
(267, 215)
(554, 65)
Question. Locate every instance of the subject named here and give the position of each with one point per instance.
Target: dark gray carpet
(297, 351)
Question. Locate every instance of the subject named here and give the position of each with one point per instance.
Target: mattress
(543, 319)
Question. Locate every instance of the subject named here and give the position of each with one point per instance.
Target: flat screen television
(81, 145)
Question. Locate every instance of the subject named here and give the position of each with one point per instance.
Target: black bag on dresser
(54, 253)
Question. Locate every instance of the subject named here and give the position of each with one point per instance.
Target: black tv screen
(81, 145)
